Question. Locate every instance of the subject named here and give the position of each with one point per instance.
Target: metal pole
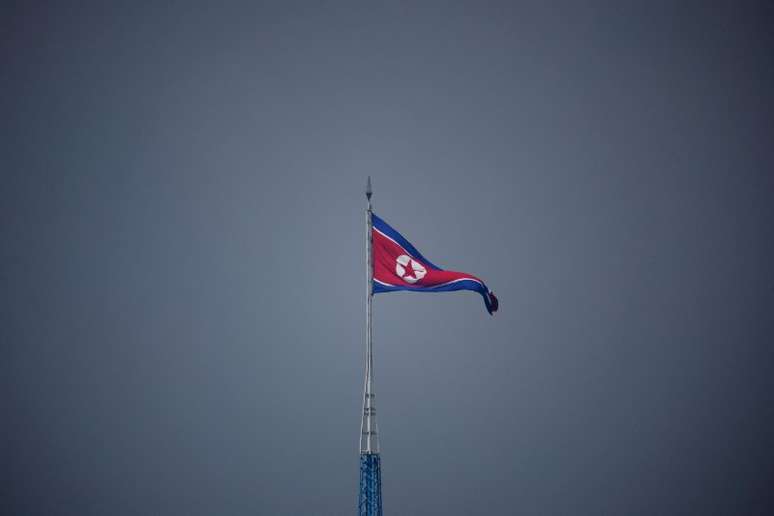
(370, 496)
(369, 442)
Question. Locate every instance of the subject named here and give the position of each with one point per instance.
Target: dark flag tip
(494, 304)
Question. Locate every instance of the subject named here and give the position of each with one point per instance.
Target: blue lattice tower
(369, 501)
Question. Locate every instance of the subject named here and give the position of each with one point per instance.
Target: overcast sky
(182, 266)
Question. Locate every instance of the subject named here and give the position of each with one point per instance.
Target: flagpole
(369, 442)
(370, 495)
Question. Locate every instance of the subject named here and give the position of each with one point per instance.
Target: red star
(409, 271)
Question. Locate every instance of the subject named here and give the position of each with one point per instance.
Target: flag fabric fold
(398, 265)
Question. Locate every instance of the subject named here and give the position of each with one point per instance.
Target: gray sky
(182, 273)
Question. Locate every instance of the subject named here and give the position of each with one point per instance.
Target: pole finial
(368, 192)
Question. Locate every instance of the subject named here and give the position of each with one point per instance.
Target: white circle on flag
(409, 270)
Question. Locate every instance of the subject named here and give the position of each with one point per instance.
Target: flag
(399, 266)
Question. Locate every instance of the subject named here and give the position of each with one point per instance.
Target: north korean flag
(399, 266)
